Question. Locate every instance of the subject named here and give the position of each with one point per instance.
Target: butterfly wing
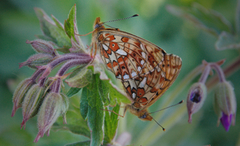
(145, 69)
(127, 55)
(146, 90)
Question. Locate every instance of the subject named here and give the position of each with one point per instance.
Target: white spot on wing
(121, 52)
(141, 45)
(144, 55)
(107, 60)
(126, 76)
(142, 84)
(142, 62)
(133, 95)
(105, 47)
(119, 77)
(112, 57)
(158, 69)
(139, 68)
(163, 74)
(134, 74)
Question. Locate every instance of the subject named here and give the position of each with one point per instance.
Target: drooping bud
(196, 98)
(42, 46)
(50, 110)
(20, 92)
(32, 102)
(37, 60)
(225, 104)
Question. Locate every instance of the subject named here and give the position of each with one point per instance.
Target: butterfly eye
(97, 26)
(143, 116)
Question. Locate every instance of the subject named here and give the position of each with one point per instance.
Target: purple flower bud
(32, 102)
(42, 46)
(195, 99)
(50, 110)
(225, 104)
(20, 92)
(37, 60)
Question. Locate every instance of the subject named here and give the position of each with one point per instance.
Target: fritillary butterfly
(145, 69)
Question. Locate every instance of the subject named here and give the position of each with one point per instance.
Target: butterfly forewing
(128, 56)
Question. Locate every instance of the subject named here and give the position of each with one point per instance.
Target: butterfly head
(98, 24)
(142, 114)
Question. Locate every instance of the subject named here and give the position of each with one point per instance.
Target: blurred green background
(19, 23)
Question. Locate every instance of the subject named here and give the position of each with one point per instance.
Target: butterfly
(146, 70)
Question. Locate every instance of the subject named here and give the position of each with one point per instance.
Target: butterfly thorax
(141, 113)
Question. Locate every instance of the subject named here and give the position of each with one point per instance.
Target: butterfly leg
(124, 113)
(114, 112)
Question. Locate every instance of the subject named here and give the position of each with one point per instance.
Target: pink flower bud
(20, 92)
(50, 110)
(42, 46)
(37, 60)
(196, 98)
(32, 102)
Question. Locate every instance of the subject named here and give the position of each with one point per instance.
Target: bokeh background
(19, 23)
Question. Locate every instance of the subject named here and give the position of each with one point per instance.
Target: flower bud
(42, 46)
(196, 98)
(50, 110)
(20, 92)
(37, 60)
(32, 102)
(225, 104)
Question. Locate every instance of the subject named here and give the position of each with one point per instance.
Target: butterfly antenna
(168, 107)
(159, 124)
(135, 15)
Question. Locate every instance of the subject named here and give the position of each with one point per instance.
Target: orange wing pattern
(145, 69)
(147, 89)
(128, 56)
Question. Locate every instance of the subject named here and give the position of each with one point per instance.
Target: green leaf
(227, 41)
(110, 124)
(81, 79)
(95, 112)
(104, 91)
(70, 26)
(53, 30)
(109, 91)
(69, 23)
(75, 123)
(72, 91)
(84, 103)
(208, 20)
(81, 143)
(116, 94)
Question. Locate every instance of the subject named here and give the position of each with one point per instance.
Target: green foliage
(212, 22)
(82, 143)
(52, 30)
(110, 124)
(69, 24)
(18, 25)
(208, 20)
(94, 96)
